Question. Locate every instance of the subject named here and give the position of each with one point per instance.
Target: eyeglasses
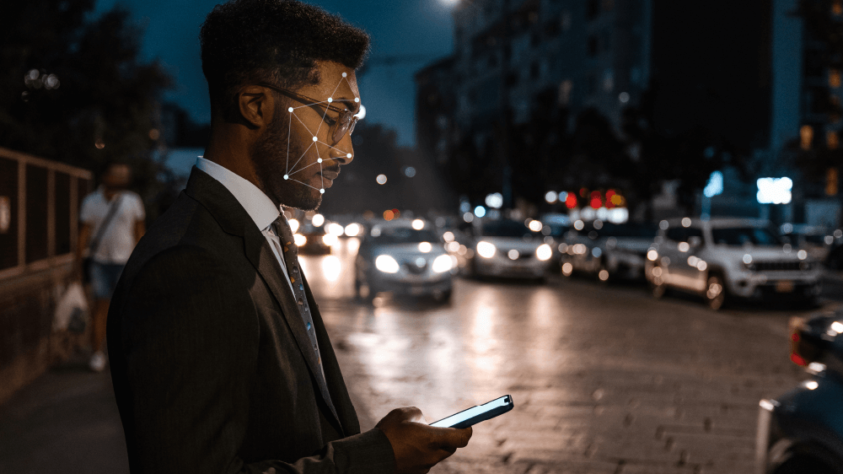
(345, 122)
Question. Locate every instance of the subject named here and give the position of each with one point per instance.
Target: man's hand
(417, 446)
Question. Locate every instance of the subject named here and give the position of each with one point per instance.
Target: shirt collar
(257, 204)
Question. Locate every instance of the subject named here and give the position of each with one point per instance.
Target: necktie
(291, 261)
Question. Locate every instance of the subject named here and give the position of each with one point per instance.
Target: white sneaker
(97, 362)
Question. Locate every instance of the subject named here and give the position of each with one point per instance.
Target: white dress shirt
(257, 204)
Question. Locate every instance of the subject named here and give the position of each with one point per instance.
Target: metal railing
(39, 212)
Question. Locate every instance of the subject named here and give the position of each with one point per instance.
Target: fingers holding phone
(416, 445)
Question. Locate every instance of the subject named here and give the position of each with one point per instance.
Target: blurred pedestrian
(112, 223)
(219, 356)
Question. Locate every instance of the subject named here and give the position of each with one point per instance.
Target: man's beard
(270, 156)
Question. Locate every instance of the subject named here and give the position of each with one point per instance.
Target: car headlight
(386, 264)
(544, 252)
(442, 264)
(486, 249)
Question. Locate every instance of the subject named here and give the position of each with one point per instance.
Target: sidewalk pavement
(66, 421)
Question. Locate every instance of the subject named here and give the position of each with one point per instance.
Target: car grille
(415, 269)
(780, 266)
(521, 256)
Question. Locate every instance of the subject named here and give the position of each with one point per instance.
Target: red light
(595, 195)
(609, 205)
(596, 203)
(609, 194)
(571, 201)
(794, 337)
(583, 192)
(798, 360)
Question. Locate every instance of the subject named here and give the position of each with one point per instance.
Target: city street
(605, 379)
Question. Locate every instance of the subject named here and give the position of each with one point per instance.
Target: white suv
(721, 258)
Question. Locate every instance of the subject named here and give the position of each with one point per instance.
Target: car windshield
(506, 228)
(402, 235)
(628, 230)
(739, 236)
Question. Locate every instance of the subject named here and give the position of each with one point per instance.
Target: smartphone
(476, 414)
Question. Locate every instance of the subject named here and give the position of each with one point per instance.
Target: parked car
(398, 258)
(508, 248)
(313, 239)
(722, 258)
(801, 431)
(817, 241)
(607, 250)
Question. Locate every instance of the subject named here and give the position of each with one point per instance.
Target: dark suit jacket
(211, 363)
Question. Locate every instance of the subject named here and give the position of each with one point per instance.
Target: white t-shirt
(118, 241)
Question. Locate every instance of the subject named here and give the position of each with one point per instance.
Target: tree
(75, 89)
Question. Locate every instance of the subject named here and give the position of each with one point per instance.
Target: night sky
(405, 27)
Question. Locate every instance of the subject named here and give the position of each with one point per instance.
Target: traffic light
(831, 182)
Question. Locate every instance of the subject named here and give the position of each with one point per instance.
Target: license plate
(784, 286)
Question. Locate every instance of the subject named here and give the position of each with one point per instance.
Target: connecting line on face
(309, 186)
(347, 155)
(306, 167)
(292, 110)
(300, 158)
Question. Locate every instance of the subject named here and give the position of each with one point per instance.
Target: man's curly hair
(275, 41)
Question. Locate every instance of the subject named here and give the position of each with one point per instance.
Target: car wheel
(715, 292)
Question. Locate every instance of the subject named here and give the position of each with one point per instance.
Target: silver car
(507, 248)
(403, 257)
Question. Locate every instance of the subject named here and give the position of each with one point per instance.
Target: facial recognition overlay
(291, 170)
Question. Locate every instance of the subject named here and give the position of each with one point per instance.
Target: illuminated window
(806, 136)
(834, 78)
(832, 140)
(837, 7)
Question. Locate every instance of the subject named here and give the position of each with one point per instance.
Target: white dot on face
(321, 191)
(314, 138)
(357, 99)
(319, 160)
(348, 155)
(330, 99)
(286, 176)
(344, 75)
(290, 110)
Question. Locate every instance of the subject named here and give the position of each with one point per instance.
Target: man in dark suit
(219, 357)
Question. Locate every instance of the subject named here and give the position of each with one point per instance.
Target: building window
(565, 92)
(832, 140)
(567, 21)
(592, 9)
(806, 136)
(834, 78)
(591, 85)
(593, 46)
(608, 80)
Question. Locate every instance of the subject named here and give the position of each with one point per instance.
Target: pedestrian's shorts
(104, 277)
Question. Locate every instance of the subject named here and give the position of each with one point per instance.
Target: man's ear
(255, 104)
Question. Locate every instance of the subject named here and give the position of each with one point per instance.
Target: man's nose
(343, 151)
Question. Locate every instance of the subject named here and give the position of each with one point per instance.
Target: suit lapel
(235, 220)
(260, 254)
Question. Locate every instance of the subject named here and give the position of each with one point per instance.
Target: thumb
(453, 437)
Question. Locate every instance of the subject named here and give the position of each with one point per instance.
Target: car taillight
(806, 345)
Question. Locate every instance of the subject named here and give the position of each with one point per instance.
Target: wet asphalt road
(606, 379)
